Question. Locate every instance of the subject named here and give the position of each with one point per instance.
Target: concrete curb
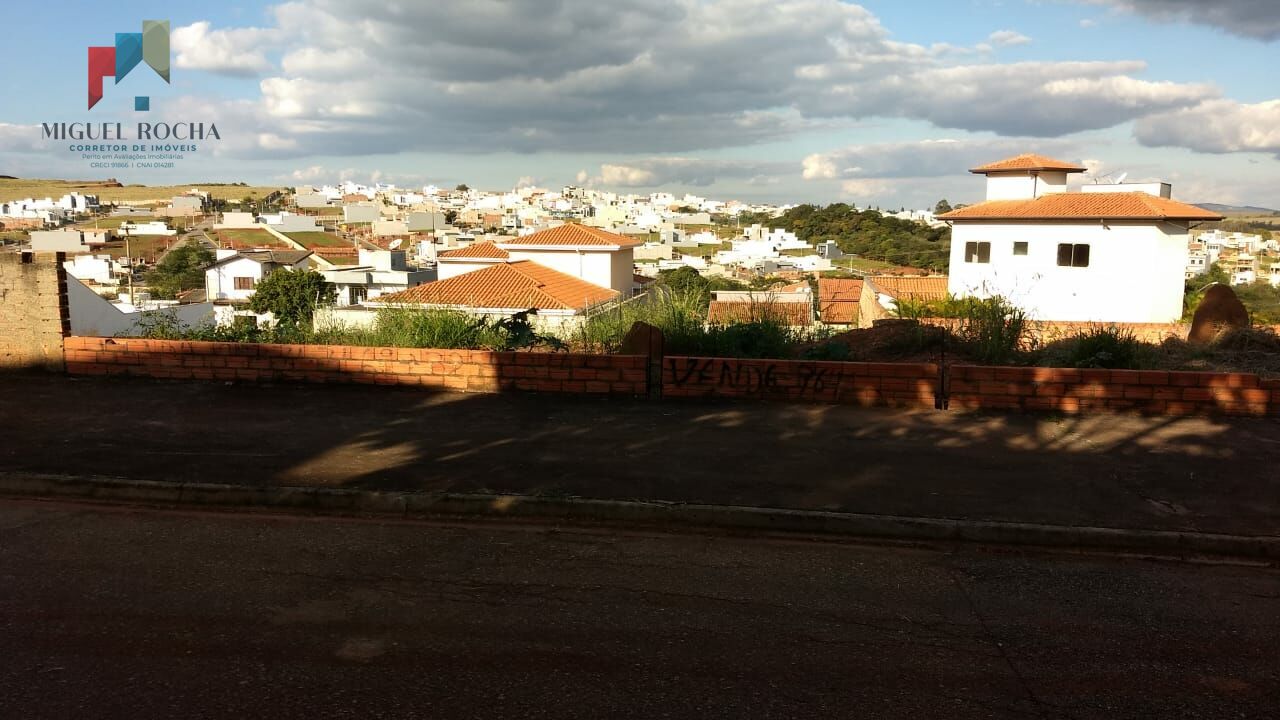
(418, 505)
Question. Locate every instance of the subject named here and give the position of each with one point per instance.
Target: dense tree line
(870, 234)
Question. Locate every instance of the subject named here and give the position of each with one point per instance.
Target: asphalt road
(1212, 475)
(130, 613)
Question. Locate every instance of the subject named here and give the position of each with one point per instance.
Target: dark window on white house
(1020, 248)
(244, 283)
(1073, 255)
(977, 252)
(357, 294)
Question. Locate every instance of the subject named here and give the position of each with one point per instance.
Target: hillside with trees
(870, 234)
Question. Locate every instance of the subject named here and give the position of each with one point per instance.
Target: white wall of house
(449, 268)
(96, 268)
(156, 227)
(610, 269)
(92, 315)
(1024, 186)
(220, 281)
(1144, 264)
(67, 241)
(236, 220)
(383, 228)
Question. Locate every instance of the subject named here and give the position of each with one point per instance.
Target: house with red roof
(564, 272)
(1103, 253)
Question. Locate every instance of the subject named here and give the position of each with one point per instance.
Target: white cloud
(1008, 38)
(236, 51)
(1088, 23)
(695, 172)
(313, 173)
(641, 76)
(1220, 126)
(923, 158)
(21, 139)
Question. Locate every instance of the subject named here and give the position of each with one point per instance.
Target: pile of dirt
(887, 341)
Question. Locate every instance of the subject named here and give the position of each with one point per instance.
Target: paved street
(1159, 473)
(128, 613)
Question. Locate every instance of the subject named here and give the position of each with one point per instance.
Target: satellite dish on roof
(395, 244)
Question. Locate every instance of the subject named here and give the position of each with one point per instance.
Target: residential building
(1102, 255)
(504, 289)
(601, 258)
(236, 220)
(236, 274)
(98, 269)
(378, 273)
(155, 227)
(477, 256)
(360, 213)
(64, 241)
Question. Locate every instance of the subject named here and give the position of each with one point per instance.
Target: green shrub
(679, 314)
(1104, 347)
(993, 330)
(437, 328)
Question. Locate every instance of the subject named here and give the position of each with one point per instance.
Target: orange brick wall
(1156, 392)
(968, 387)
(891, 384)
(463, 370)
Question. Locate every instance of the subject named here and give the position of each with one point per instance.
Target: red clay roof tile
(1083, 206)
(517, 285)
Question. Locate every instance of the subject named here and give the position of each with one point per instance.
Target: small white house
(380, 272)
(1108, 254)
(156, 227)
(235, 275)
(99, 269)
(477, 256)
(236, 220)
(599, 257)
(65, 241)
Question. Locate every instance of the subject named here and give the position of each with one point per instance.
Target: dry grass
(239, 238)
(146, 247)
(313, 240)
(22, 188)
(113, 223)
(1253, 350)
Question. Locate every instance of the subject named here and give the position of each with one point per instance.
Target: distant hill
(1238, 210)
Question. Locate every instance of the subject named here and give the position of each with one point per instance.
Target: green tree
(870, 234)
(685, 280)
(1262, 300)
(461, 187)
(942, 207)
(292, 296)
(182, 269)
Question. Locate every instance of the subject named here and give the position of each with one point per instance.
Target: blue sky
(880, 103)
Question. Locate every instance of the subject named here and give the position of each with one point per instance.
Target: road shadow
(1205, 474)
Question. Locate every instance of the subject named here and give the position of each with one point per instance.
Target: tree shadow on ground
(1205, 474)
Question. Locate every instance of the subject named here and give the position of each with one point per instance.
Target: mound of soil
(889, 341)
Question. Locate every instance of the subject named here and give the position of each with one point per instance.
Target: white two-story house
(1105, 253)
(235, 275)
(563, 273)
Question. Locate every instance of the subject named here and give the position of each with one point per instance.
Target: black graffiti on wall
(751, 376)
